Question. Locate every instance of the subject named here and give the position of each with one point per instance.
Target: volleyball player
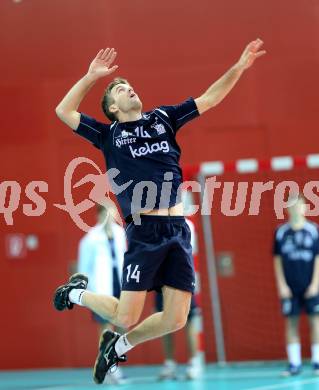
(296, 251)
(143, 148)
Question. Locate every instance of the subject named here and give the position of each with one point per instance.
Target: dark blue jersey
(298, 249)
(145, 153)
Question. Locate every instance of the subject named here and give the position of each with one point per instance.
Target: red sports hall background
(168, 50)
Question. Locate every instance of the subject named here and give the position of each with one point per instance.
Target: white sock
(294, 354)
(315, 353)
(195, 360)
(75, 296)
(122, 345)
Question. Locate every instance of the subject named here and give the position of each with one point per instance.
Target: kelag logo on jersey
(149, 149)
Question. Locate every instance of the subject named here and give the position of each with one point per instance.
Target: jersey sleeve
(180, 114)
(92, 130)
(276, 245)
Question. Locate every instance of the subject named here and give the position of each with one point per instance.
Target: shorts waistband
(158, 218)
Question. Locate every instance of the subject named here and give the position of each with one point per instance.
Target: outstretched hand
(101, 65)
(251, 53)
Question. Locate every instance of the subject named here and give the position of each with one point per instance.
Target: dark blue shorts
(159, 254)
(193, 311)
(295, 305)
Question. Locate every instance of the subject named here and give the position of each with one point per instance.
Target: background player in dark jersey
(143, 148)
(296, 251)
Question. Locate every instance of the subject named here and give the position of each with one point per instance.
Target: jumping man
(144, 150)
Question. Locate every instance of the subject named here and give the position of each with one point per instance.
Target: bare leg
(293, 341)
(314, 327)
(192, 336)
(168, 344)
(103, 305)
(124, 312)
(172, 318)
(292, 330)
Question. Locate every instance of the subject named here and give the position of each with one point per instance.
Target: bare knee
(180, 323)
(129, 309)
(126, 320)
(292, 330)
(292, 324)
(175, 323)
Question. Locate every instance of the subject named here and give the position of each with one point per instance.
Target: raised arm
(99, 67)
(220, 89)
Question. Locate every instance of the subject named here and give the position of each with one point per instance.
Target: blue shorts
(295, 305)
(159, 254)
(193, 311)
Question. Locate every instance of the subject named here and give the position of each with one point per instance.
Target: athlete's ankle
(76, 296)
(123, 345)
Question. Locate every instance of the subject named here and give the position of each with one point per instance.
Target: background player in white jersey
(296, 251)
(100, 258)
(142, 148)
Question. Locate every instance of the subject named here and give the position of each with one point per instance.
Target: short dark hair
(107, 100)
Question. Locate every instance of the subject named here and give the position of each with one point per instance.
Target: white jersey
(95, 257)
(193, 236)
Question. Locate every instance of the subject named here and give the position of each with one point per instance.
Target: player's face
(298, 209)
(125, 99)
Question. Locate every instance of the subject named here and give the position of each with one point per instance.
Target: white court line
(286, 385)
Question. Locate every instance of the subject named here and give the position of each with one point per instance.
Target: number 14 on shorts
(133, 275)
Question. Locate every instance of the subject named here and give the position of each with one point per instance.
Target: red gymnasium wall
(168, 50)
